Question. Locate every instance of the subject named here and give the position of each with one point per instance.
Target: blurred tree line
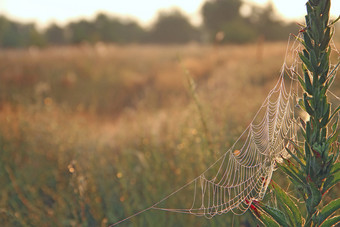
(222, 22)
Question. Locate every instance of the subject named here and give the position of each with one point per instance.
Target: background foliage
(170, 27)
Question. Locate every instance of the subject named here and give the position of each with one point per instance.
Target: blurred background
(43, 23)
(97, 117)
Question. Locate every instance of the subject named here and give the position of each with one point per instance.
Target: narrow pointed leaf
(302, 83)
(335, 168)
(335, 111)
(264, 219)
(292, 174)
(331, 222)
(309, 109)
(301, 104)
(295, 157)
(324, 65)
(283, 197)
(297, 148)
(276, 214)
(309, 87)
(331, 181)
(325, 119)
(335, 125)
(328, 210)
(336, 20)
(313, 59)
(306, 62)
(308, 42)
(334, 137)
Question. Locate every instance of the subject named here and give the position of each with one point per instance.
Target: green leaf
(309, 87)
(305, 53)
(308, 132)
(309, 109)
(297, 148)
(336, 20)
(333, 114)
(323, 135)
(303, 133)
(324, 64)
(301, 104)
(294, 212)
(264, 218)
(295, 158)
(331, 181)
(326, 39)
(331, 222)
(293, 175)
(306, 62)
(332, 75)
(325, 119)
(335, 168)
(308, 42)
(335, 125)
(307, 152)
(313, 59)
(333, 138)
(328, 210)
(267, 221)
(328, 83)
(309, 8)
(276, 214)
(314, 27)
(314, 198)
(325, 11)
(302, 83)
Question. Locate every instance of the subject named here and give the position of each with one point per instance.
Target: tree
(216, 13)
(172, 27)
(14, 34)
(82, 31)
(55, 35)
(117, 30)
(238, 31)
(267, 23)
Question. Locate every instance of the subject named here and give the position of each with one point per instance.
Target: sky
(43, 12)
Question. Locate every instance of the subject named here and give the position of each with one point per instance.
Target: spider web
(243, 173)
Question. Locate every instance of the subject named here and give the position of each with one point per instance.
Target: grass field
(92, 134)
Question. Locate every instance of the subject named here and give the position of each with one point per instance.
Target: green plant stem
(316, 67)
(316, 171)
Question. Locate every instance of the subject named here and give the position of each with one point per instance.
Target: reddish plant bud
(309, 179)
(317, 154)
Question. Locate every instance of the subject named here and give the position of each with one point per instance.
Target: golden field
(92, 134)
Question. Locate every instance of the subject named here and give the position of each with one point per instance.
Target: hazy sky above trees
(44, 12)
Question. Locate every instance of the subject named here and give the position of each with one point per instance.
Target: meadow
(92, 134)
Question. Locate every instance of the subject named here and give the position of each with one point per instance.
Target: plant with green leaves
(314, 169)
